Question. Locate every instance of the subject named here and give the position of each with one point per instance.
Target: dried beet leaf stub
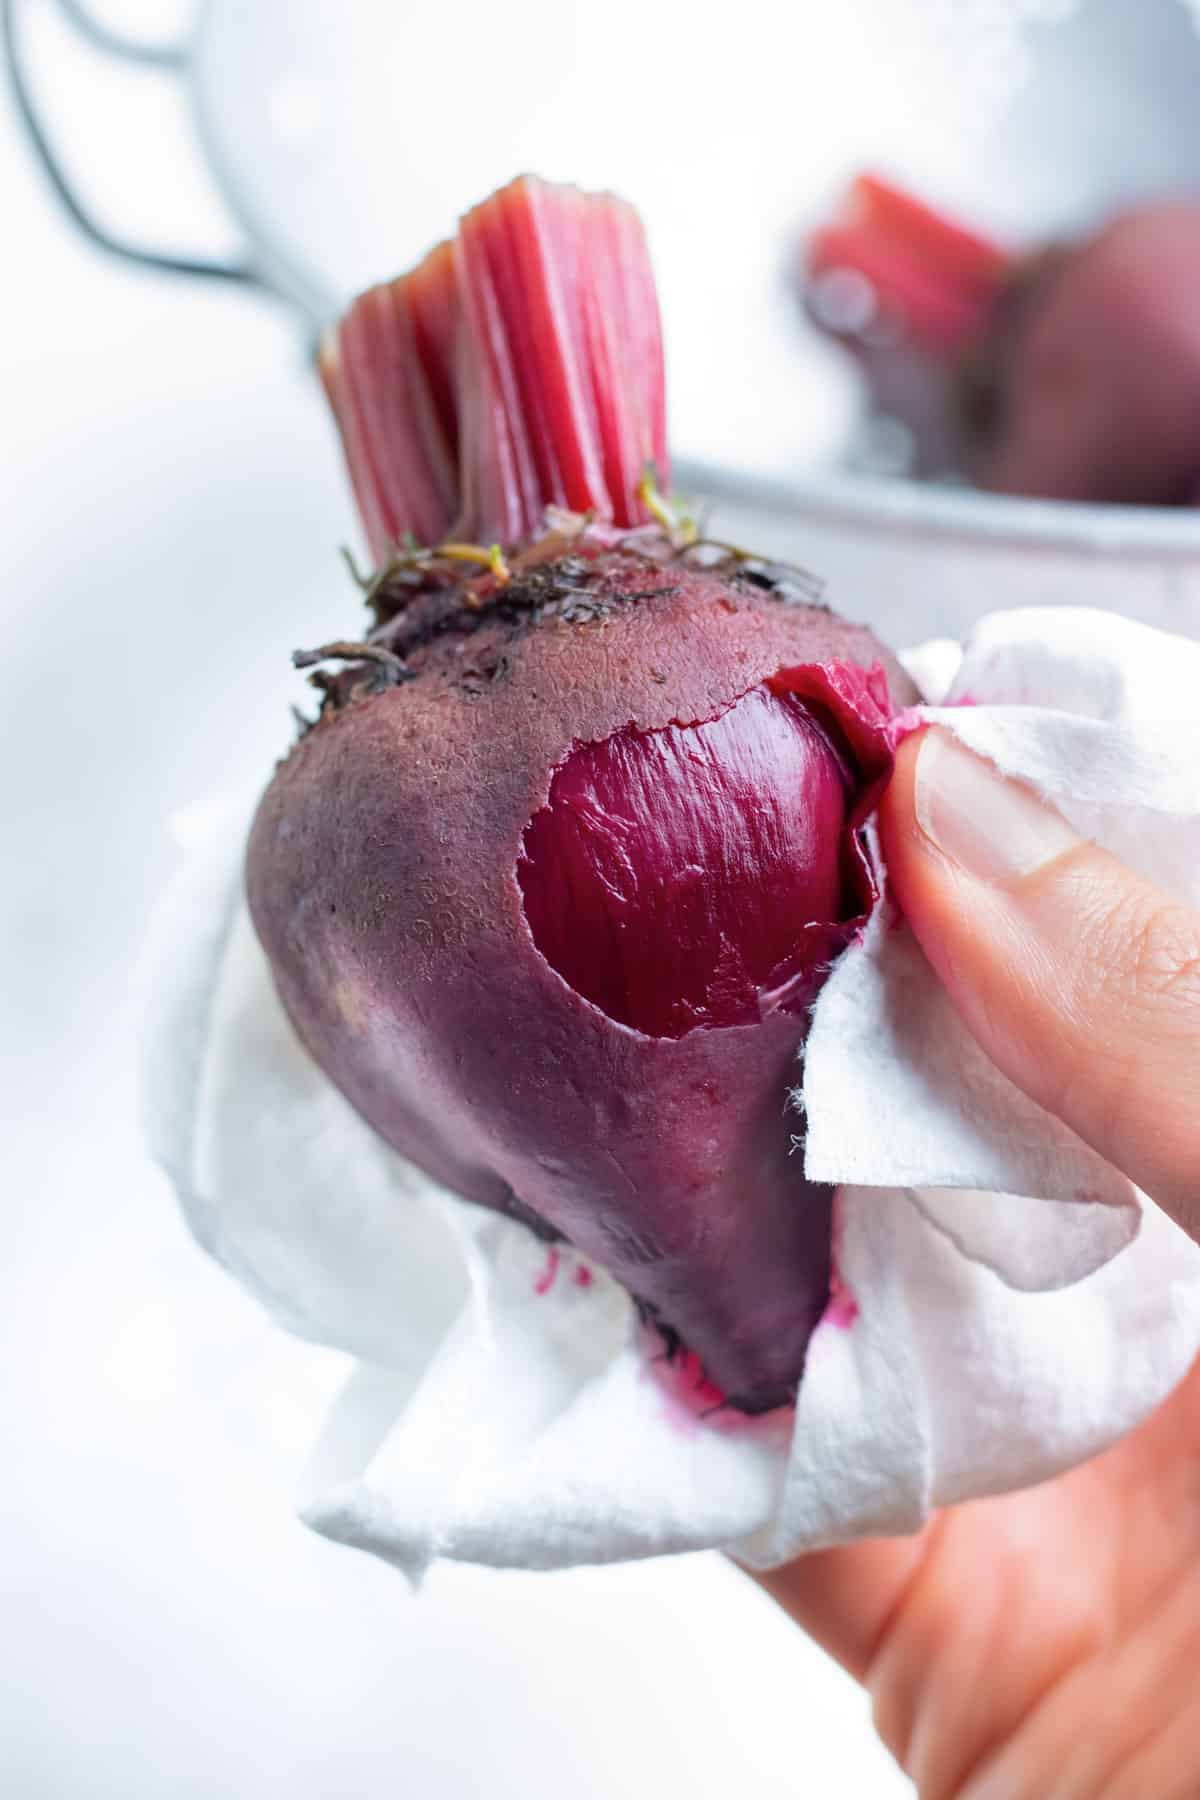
(696, 876)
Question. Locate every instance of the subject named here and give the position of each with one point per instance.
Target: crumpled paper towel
(1005, 1303)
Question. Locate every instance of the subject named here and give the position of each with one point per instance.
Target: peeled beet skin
(551, 911)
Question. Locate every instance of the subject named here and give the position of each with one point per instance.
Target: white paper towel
(1005, 1304)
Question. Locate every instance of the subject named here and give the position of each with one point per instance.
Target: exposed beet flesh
(548, 888)
(686, 878)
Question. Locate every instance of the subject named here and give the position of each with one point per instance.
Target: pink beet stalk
(387, 373)
(932, 276)
(549, 888)
(517, 367)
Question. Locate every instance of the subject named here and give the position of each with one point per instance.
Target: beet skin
(1096, 365)
(403, 862)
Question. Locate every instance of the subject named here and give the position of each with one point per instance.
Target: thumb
(1080, 980)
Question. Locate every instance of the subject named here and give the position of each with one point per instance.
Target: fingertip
(945, 910)
(905, 847)
(1076, 977)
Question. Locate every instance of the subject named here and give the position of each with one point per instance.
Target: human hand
(1044, 1645)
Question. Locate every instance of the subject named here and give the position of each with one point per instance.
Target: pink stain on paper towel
(842, 1308)
(692, 1402)
(902, 724)
(548, 1273)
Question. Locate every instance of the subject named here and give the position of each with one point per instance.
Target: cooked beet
(1096, 368)
(1069, 372)
(551, 884)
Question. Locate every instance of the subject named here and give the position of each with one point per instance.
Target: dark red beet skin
(1096, 365)
(550, 914)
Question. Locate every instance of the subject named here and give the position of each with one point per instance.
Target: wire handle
(102, 37)
(168, 59)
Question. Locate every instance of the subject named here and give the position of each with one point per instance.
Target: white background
(171, 505)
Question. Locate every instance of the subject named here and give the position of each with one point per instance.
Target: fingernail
(992, 827)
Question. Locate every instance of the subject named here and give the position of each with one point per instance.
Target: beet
(1069, 372)
(1095, 368)
(551, 884)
